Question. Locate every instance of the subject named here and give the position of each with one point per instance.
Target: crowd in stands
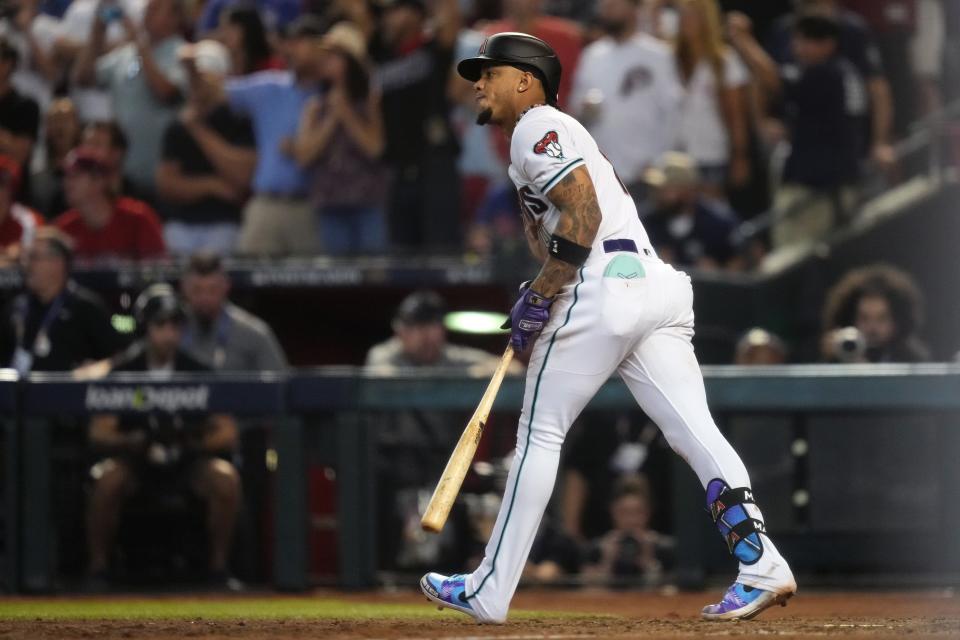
(146, 128)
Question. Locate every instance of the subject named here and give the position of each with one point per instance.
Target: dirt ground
(604, 615)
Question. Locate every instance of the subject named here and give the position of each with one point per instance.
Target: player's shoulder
(538, 128)
(597, 50)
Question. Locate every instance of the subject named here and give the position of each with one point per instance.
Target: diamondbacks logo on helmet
(550, 145)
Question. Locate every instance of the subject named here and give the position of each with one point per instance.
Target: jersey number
(531, 205)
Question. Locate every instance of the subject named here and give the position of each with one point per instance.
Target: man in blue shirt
(278, 219)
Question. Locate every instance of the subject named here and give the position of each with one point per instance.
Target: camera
(848, 344)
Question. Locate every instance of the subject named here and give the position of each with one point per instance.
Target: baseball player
(603, 303)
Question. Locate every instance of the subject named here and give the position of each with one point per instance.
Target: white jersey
(628, 95)
(546, 146)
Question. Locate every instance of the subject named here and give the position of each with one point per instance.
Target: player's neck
(511, 124)
(625, 33)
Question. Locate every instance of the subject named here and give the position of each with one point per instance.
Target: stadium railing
(801, 391)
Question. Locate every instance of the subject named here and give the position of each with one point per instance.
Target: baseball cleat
(449, 592)
(741, 602)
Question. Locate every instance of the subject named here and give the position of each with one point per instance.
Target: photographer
(159, 451)
(631, 552)
(872, 315)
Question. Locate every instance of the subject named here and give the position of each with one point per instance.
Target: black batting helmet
(157, 303)
(517, 50)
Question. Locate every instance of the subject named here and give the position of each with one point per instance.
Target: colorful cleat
(447, 592)
(741, 602)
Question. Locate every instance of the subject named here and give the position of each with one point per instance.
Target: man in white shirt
(626, 91)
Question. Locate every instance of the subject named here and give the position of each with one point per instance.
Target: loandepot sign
(170, 399)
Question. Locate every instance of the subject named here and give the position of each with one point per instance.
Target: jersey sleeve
(543, 152)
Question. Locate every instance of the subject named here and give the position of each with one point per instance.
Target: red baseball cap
(10, 172)
(86, 160)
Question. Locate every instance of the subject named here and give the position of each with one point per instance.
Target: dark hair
(817, 26)
(59, 241)
(879, 280)
(118, 139)
(8, 52)
(358, 77)
(632, 485)
(204, 263)
(256, 49)
(549, 94)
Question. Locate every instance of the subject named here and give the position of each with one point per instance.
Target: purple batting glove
(527, 318)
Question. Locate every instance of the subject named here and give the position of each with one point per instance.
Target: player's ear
(525, 82)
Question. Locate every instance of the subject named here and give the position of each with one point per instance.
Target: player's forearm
(579, 222)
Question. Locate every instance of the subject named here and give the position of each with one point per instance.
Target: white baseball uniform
(626, 312)
(628, 95)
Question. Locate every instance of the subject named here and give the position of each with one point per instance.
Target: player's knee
(222, 480)
(112, 480)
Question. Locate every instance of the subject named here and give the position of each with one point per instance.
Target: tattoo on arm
(579, 221)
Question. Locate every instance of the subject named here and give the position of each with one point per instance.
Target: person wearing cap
(412, 70)
(278, 219)
(413, 445)
(143, 77)
(201, 199)
(19, 114)
(101, 224)
(55, 324)
(420, 340)
(686, 228)
(341, 140)
(759, 347)
(161, 453)
(18, 222)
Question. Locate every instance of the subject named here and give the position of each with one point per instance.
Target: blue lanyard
(21, 321)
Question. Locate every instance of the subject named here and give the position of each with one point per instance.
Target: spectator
(101, 224)
(218, 332)
(155, 452)
(278, 219)
(420, 340)
(243, 33)
(564, 35)
(18, 223)
(32, 34)
(421, 148)
(760, 347)
(627, 92)
(19, 115)
(61, 135)
(55, 325)
(276, 15)
(106, 139)
(855, 43)
(822, 101)
(200, 201)
(686, 228)
(630, 552)
(893, 24)
(713, 112)
(927, 52)
(413, 445)
(93, 103)
(144, 78)
(341, 139)
(873, 314)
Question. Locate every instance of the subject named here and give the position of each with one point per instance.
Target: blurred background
(254, 256)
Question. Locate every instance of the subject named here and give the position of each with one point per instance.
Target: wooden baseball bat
(456, 470)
